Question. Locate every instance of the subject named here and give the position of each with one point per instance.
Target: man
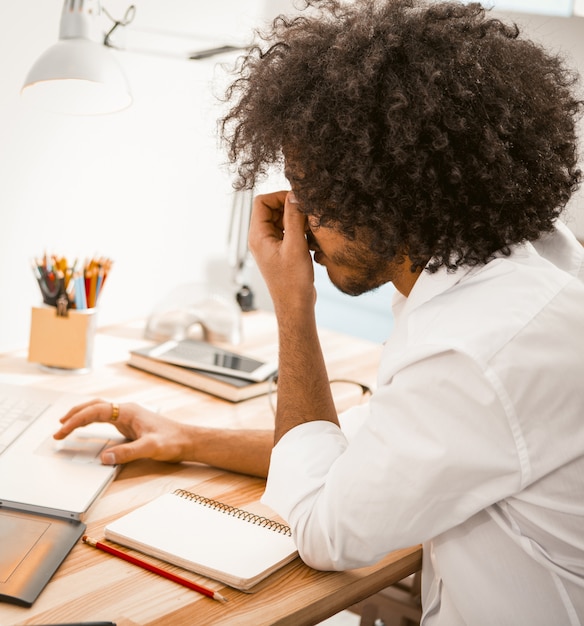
(429, 146)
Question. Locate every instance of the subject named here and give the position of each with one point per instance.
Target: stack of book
(205, 367)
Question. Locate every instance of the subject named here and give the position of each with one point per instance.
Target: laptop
(46, 486)
(41, 475)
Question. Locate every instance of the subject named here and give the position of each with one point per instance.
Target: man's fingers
(273, 201)
(77, 408)
(268, 212)
(83, 415)
(147, 446)
(125, 452)
(294, 220)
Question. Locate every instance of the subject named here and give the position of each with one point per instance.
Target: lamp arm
(239, 254)
(128, 18)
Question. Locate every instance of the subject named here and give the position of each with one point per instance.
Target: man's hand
(151, 436)
(277, 240)
(155, 437)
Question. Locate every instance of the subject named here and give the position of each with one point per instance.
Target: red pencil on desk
(152, 568)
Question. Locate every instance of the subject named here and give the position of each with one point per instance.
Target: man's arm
(278, 242)
(277, 239)
(152, 436)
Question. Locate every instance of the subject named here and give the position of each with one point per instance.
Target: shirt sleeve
(435, 448)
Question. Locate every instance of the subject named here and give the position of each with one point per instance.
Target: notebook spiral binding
(235, 512)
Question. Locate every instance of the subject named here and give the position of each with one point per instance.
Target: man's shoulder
(487, 306)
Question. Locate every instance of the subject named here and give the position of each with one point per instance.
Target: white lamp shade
(77, 77)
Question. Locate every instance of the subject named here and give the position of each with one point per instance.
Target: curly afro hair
(433, 128)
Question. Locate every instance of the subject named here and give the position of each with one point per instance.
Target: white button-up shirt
(472, 444)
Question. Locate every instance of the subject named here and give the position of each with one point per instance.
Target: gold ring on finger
(115, 412)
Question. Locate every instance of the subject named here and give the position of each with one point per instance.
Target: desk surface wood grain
(91, 585)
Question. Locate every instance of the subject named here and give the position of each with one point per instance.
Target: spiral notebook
(207, 537)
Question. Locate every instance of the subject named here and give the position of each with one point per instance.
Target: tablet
(210, 358)
(33, 547)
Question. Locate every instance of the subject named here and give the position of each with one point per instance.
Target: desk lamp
(239, 255)
(79, 75)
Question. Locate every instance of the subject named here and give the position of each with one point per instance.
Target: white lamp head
(78, 75)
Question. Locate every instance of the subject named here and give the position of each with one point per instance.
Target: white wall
(145, 187)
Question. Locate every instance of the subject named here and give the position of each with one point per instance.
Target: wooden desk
(91, 585)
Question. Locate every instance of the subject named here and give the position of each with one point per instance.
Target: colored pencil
(152, 568)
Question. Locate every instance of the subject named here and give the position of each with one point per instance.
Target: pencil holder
(62, 341)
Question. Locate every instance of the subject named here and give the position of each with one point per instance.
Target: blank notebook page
(204, 538)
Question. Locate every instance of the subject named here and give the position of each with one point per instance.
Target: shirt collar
(430, 285)
(426, 287)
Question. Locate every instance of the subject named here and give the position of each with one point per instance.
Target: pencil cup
(62, 342)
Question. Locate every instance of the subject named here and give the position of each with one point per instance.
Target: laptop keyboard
(16, 415)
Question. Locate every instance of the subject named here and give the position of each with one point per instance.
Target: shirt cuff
(299, 464)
